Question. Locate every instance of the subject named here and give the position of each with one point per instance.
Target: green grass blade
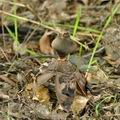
(99, 104)
(109, 20)
(31, 52)
(15, 22)
(10, 33)
(77, 21)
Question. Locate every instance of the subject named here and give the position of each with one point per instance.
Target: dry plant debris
(45, 44)
(112, 44)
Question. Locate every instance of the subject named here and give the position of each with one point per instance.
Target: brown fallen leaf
(96, 81)
(81, 84)
(41, 79)
(45, 45)
(79, 104)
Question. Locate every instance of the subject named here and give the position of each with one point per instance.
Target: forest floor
(76, 79)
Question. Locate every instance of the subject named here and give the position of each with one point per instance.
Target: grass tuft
(77, 21)
(97, 108)
(107, 23)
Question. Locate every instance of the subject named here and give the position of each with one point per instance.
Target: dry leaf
(97, 76)
(81, 83)
(78, 104)
(45, 45)
(96, 81)
(41, 79)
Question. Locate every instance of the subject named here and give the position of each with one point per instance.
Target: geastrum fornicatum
(67, 79)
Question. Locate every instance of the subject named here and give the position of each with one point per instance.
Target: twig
(2, 51)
